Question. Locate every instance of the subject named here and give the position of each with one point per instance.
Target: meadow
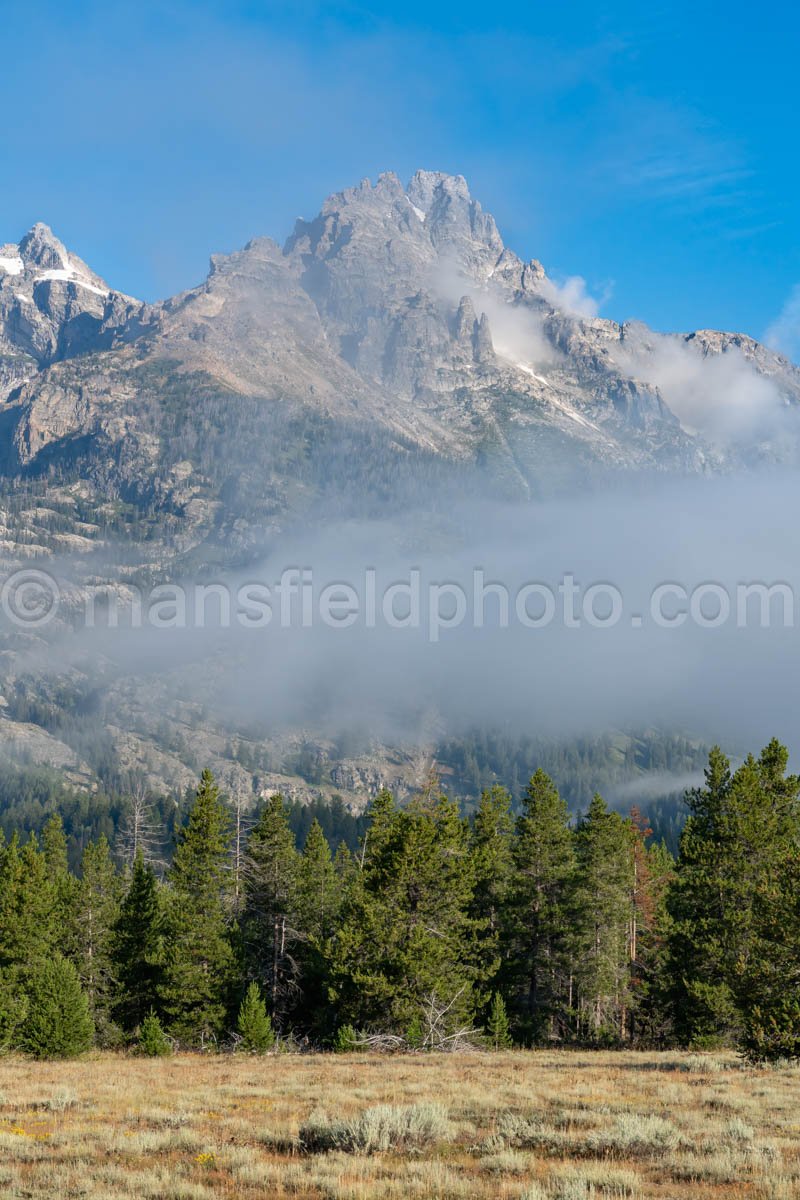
(542, 1125)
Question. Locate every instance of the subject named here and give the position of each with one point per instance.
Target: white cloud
(718, 396)
(517, 333)
(572, 296)
(784, 332)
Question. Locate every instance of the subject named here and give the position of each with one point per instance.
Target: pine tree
(604, 878)
(253, 1023)
(497, 1025)
(138, 948)
(64, 884)
(318, 892)
(318, 903)
(199, 957)
(13, 1008)
(153, 1041)
(58, 1023)
(704, 1005)
(269, 922)
(491, 851)
(654, 874)
(94, 914)
(542, 910)
(404, 952)
(768, 985)
(30, 931)
(731, 916)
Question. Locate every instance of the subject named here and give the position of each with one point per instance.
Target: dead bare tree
(438, 1032)
(139, 829)
(241, 805)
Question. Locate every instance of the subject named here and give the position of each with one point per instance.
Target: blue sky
(651, 148)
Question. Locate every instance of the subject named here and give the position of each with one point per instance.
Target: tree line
(517, 927)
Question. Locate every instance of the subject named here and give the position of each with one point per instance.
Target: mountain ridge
(393, 327)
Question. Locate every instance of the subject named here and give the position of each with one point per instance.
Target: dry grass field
(543, 1126)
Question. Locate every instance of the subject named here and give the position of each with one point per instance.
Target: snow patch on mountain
(68, 274)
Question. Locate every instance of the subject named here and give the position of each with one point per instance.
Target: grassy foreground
(542, 1125)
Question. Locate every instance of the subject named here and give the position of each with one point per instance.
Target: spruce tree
(31, 928)
(768, 985)
(199, 958)
(497, 1025)
(54, 853)
(542, 905)
(704, 1004)
(253, 1023)
(269, 921)
(604, 880)
(58, 1023)
(317, 890)
(94, 914)
(729, 902)
(138, 948)
(153, 1041)
(13, 1008)
(404, 952)
(345, 1040)
(318, 902)
(491, 851)
(768, 977)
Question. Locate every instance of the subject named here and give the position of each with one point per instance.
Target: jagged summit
(41, 248)
(435, 210)
(43, 257)
(395, 316)
(52, 306)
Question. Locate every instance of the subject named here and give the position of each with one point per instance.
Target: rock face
(52, 306)
(393, 337)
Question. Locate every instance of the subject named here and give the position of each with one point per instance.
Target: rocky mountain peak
(42, 258)
(425, 186)
(52, 306)
(41, 248)
(398, 320)
(457, 225)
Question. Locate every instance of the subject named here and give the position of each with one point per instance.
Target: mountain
(391, 358)
(52, 307)
(393, 336)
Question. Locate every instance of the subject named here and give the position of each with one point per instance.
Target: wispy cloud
(573, 295)
(670, 154)
(682, 175)
(719, 396)
(784, 332)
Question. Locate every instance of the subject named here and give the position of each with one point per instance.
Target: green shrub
(414, 1034)
(345, 1040)
(153, 1042)
(253, 1023)
(58, 1023)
